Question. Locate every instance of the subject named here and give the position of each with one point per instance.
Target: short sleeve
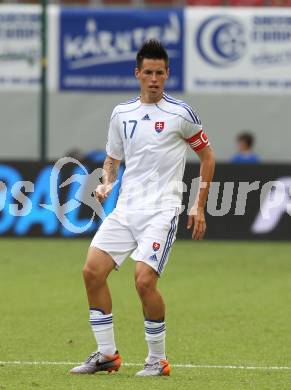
(114, 146)
(191, 125)
(192, 130)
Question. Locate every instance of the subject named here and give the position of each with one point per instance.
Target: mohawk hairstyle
(152, 49)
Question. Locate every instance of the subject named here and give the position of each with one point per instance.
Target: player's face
(152, 76)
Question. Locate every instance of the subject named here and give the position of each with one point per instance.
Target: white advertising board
(238, 50)
(20, 47)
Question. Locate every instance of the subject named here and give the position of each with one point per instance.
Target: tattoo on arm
(110, 171)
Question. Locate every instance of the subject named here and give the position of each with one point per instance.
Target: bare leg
(146, 285)
(154, 312)
(95, 272)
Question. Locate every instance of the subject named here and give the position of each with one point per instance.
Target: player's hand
(102, 192)
(196, 220)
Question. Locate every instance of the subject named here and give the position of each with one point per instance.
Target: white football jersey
(152, 140)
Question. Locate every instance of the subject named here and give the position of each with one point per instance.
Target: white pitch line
(207, 366)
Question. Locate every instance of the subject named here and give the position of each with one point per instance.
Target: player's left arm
(196, 218)
(193, 134)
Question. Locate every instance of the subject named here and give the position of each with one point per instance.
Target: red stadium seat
(74, 2)
(159, 3)
(280, 3)
(117, 2)
(206, 2)
(247, 3)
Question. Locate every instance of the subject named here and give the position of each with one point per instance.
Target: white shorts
(146, 236)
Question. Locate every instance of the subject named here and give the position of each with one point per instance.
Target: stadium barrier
(93, 49)
(246, 202)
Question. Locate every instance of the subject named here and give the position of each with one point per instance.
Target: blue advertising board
(55, 200)
(52, 200)
(98, 46)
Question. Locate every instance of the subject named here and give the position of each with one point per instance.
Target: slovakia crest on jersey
(156, 246)
(159, 126)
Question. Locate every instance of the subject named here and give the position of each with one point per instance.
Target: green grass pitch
(228, 304)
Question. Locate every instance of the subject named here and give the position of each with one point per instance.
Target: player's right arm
(115, 154)
(110, 171)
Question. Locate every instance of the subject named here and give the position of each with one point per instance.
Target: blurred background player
(245, 155)
(151, 133)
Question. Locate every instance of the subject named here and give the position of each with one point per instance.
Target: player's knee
(144, 285)
(88, 274)
(93, 274)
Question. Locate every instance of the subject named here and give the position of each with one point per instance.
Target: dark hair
(246, 137)
(152, 49)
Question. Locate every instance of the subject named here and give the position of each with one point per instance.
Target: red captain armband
(198, 141)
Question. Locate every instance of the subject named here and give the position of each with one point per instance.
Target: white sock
(102, 327)
(155, 335)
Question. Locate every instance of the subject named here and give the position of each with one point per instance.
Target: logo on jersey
(146, 118)
(159, 126)
(153, 257)
(156, 246)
